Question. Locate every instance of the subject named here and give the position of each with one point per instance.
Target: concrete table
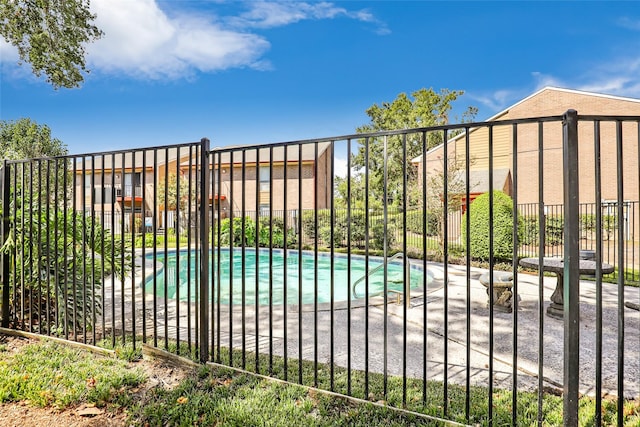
(556, 265)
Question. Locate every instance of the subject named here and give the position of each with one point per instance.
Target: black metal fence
(367, 286)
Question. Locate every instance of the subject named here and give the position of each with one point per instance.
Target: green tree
(51, 35)
(25, 139)
(177, 193)
(452, 177)
(424, 108)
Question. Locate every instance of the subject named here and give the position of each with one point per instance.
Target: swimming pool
(275, 268)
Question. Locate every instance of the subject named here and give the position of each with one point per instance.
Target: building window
(102, 195)
(265, 178)
(132, 184)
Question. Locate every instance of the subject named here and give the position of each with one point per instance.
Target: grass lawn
(49, 374)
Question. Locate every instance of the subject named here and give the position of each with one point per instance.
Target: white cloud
(142, 40)
(340, 167)
(266, 14)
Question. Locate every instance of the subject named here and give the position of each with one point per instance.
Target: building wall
(551, 102)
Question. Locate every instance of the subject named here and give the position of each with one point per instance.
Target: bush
(478, 215)
(277, 237)
(415, 221)
(148, 240)
(308, 222)
(378, 231)
(226, 232)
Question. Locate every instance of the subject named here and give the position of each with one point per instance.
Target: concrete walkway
(431, 303)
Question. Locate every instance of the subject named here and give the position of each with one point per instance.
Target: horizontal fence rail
(410, 278)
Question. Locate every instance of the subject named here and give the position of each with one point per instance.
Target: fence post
(204, 249)
(571, 268)
(6, 195)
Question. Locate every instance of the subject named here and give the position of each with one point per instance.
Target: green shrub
(308, 222)
(148, 240)
(226, 232)
(377, 234)
(277, 235)
(479, 225)
(415, 222)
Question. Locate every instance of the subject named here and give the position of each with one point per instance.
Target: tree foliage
(424, 108)
(452, 177)
(176, 191)
(25, 139)
(51, 36)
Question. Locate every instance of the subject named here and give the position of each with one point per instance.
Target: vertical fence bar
(6, 226)
(113, 249)
(285, 302)
(244, 258)
(332, 271)
(73, 243)
(143, 284)
(445, 226)
(405, 272)
(47, 243)
(541, 250)
(231, 257)
(198, 206)
(514, 263)
(190, 198)
(315, 266)
(204, 250)
(257, 278)
(349, 266)
(56, 266)
(300, 377)
(165, 259)
(385, 251)
(467, 185)
(93, 246)
(14, 266)
(424, 269)
(366, 267)
(22, 247)
(38, 241)
(621, 264)
(218, 264)
(571, 269)
(271, 260)
(176, 228)
(132, 227)
(598, 259)
(491, 278)
(156, 215)
(83, 207)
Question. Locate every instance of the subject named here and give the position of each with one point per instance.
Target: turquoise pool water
(276, 269)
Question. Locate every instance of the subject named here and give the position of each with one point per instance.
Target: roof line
(506, 110)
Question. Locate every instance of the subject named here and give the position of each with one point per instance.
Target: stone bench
(502, 290)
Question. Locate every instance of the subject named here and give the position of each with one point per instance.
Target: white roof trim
(506, 110)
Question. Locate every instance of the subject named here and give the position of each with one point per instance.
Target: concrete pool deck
(432, 303)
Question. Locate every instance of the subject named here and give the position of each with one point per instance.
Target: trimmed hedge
(478, 214)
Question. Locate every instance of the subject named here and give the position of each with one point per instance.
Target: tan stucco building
(546, 102)
(123, 184)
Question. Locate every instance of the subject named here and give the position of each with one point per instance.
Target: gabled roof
(497, 116)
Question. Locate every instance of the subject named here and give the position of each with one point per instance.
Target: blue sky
(258, 72)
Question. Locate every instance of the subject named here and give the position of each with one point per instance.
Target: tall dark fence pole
(6, 195)
(571, 268)
(204, 249)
